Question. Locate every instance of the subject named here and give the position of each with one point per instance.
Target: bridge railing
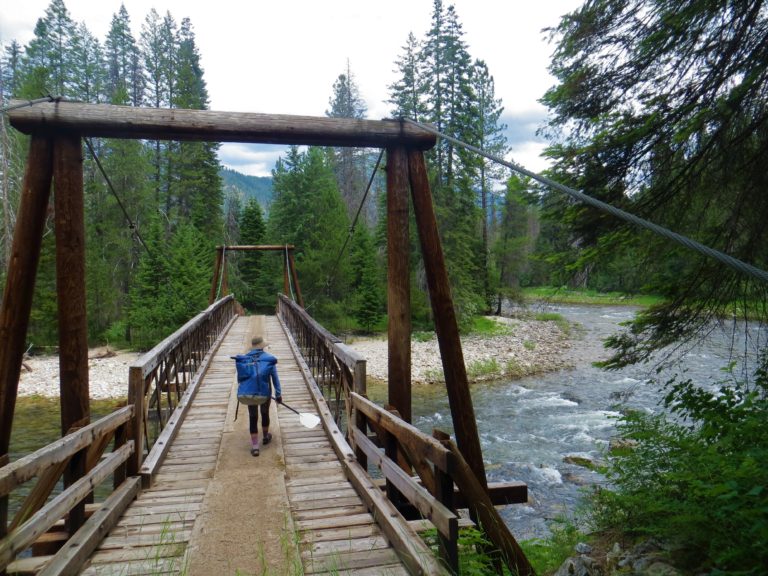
(163, 381)
(336, 368)
(426, 477)
(79, 454)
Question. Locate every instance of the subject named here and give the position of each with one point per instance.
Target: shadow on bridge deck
(215, 509)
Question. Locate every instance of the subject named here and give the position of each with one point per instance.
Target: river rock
(579, 566)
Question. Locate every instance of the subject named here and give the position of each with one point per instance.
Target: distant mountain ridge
(246, 187)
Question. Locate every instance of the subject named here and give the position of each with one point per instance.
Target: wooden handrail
(158, 379)
(18, 472)
(336, 367)
(22, 537)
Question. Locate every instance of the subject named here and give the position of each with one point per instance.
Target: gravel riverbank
(530, 347)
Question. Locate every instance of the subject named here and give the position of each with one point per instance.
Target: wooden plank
(169, 510)
(71, 557)
(324, 493)
(311, 488)
(154, 566)
(101, 120)
(345, 533)
(27, 566)
(335, 512)
(176, 535)
(333, 522)
(324, 503)
(350, 560)
(314, 550)
(47, 516)
(398, 284)
(332, 477)
(387, 570)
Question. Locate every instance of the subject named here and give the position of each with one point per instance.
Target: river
(529, 426)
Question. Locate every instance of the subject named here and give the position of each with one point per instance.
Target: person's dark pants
(253, 416)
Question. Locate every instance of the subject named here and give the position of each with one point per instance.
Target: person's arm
(276, 384)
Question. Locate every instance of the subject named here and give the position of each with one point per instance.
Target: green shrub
(546, 555)
(480, 368)
(697, 478)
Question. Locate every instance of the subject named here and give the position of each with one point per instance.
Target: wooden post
(286, 281)
(19, 287)
(70, 289)
(360, 386)
(136, 430)
(449, 547)
(216, 272)
(294, 275)
(446, 326)
(398, 284)
(224, 275)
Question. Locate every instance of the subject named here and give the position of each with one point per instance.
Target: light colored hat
(259, 342)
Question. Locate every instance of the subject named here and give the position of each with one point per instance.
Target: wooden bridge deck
(336, 532)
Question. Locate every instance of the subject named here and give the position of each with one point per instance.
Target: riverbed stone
(579, 566)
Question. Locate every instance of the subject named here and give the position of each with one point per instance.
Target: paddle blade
(308, 420)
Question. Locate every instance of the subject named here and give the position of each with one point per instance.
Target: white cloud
(283, 57)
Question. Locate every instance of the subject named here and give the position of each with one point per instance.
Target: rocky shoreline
(107, 375)
(529, 347)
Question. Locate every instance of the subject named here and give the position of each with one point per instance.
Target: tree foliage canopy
(660, 108)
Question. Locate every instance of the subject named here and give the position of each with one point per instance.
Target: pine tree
(89, 79)
(48, 52)
(252, 233)
(407, 94)
(307, 211)
(368, 306)
(349, 163)
(125, 81)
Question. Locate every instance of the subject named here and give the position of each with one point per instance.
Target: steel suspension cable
(729, 261)
(131, 224)
(359, 209)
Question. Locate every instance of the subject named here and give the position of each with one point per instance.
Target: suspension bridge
(360, 488)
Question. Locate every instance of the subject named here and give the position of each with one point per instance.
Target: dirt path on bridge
(252, 533)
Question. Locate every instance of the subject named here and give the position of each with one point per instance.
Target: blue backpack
(251, 390)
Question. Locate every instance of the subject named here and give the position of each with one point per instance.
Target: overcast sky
(283, 56)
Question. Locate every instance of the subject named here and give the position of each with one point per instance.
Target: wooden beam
(19, 288)
(20, 279)
(398, 284)
(446, 326)
(295, 277)
(258, 248)
(69, 217)
(215, 279)
(103, 120)
(486, 516)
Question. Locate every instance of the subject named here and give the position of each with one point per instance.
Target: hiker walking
(266, 374)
